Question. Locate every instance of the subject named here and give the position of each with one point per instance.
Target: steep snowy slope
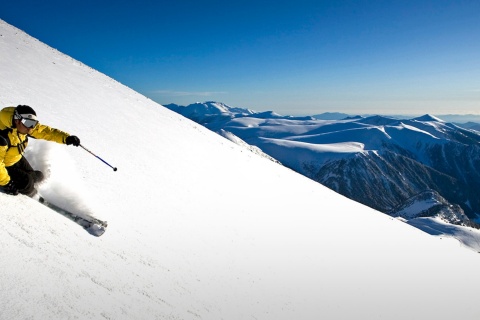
(199, 228)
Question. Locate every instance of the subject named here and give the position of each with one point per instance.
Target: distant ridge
(331, 116)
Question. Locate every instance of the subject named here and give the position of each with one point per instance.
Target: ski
(92, 225)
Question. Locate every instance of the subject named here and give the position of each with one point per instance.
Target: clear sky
(294, 57)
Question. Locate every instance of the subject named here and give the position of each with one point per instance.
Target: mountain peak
(207, 108)
(379, 120)
(428, 117)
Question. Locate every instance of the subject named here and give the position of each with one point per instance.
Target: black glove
(72, 140)
(10, 188)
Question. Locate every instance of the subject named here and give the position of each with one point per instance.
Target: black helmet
(23, 111)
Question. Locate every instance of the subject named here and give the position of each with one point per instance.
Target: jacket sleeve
(4, 177)
(47, 133)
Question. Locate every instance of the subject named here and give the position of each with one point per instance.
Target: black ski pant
(24, 176)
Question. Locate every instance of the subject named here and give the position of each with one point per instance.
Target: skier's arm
(51, 134)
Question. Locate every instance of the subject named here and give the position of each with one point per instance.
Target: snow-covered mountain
(380, 161)
(199, 228)
(207, 111)
(461, 120)
(471, 125)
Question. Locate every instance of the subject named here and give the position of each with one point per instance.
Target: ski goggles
(28, 120)
(29, 123)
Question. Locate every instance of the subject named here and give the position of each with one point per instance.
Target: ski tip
(96, 230)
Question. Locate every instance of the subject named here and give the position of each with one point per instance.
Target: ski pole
(114, 168)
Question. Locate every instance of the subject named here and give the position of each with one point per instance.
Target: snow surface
(468, 236)
(199, 228)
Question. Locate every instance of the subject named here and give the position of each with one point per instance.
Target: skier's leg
(24, 176)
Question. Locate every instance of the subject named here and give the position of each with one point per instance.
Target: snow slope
(199, 228)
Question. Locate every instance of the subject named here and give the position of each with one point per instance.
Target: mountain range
(408, 168)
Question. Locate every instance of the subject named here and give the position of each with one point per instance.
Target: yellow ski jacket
(17, 142)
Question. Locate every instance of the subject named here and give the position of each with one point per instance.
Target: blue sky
(294, 57)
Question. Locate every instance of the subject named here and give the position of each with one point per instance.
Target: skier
(16, 125)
